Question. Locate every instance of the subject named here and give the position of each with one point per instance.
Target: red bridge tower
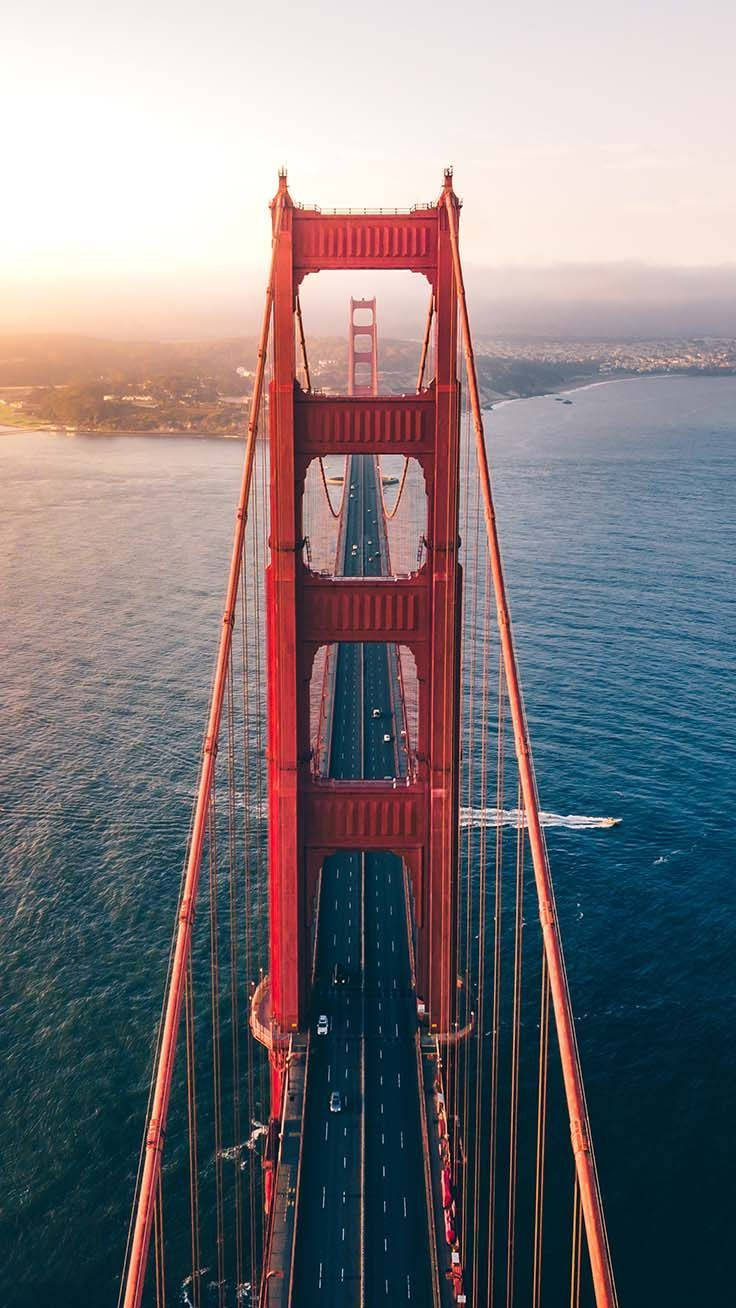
(309, 817)
(361, 382)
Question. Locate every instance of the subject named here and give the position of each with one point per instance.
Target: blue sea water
(618, 523)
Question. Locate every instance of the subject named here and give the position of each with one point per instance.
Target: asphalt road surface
(362, 1233)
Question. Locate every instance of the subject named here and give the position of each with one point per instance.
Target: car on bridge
(323, 1024)
(335, 1102)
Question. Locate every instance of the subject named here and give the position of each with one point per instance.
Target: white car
(323, 1024)
(335, 1102)
(386, 738)
(376, 713)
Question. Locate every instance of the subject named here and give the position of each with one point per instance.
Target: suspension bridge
(366, 1084)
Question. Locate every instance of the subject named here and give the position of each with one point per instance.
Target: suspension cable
(425, 342)
(303, 344)
(336, 513)
(600, 1257)
(164, 1067)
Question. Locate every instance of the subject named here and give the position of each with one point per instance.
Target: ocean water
(618, 523)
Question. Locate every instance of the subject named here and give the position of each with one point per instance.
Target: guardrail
(432, 1230)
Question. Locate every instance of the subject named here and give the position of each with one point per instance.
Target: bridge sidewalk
(449, 1267)
(279, 1263)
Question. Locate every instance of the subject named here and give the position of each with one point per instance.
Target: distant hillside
(86, 383)
(78, 360)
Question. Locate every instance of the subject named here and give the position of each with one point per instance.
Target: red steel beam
(156, 1125)
(365, 240)
(347, 609)
(385, 424)
(365, 815)
(582, 1142)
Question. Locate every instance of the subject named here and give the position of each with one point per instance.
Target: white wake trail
(509, 817)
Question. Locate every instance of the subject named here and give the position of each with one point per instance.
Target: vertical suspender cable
(192, 1123)
(515, 1058)
(482, 902)
(233, 903)
(156, 1125)
(582, 1145)
(577, 1247)
(158, 1242)
(216, 1066)
(496, 1015)
(541, 1136)
(248, 897)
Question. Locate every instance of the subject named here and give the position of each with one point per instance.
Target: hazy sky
(141, 139)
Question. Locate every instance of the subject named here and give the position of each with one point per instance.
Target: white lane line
(404, 1205)
(398, 1079)
(324, 1195)
(384, 1171)
(408, 1286)
(327, 1127)
(343, 1232)
(397, 1030)
(319, 1283)
(401, 1138)
(329, 1073)
(345, 1163)
(385, 1244)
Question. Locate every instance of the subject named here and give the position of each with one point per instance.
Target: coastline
(164, 433)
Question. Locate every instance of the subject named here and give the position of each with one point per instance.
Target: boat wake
(510, 817)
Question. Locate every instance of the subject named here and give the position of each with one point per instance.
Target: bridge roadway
(362, 1225)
